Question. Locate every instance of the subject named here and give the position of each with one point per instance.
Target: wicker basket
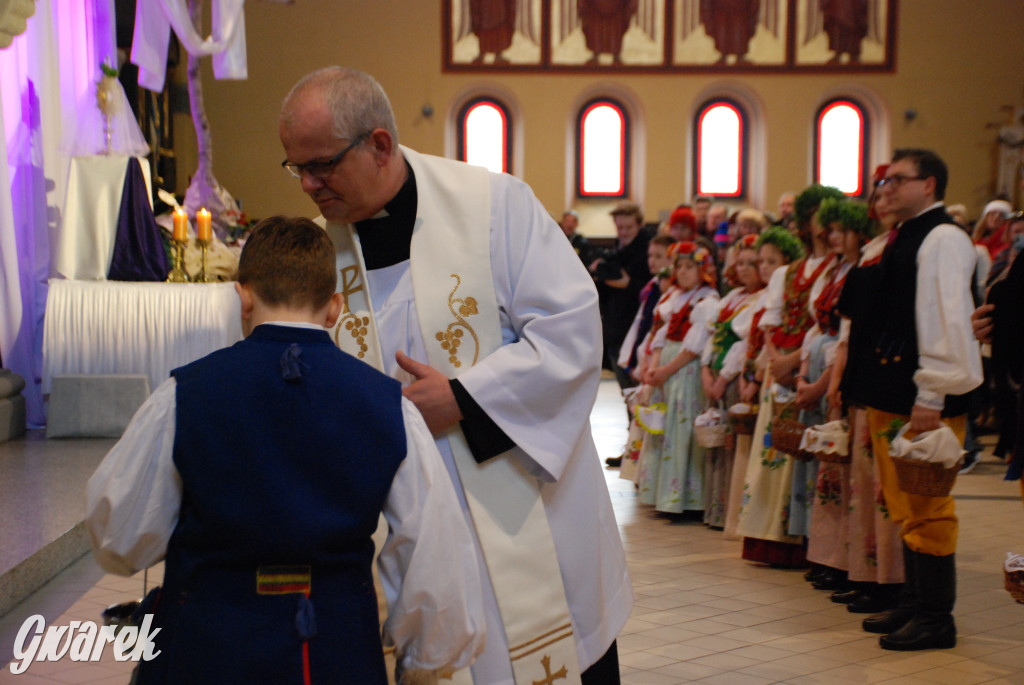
(786, 436)
(743, 424)
(831, 457)
(1014, 582)
(711, 436)
(919, 477)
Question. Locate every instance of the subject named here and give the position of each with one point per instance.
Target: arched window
(840, 146)
(602, 149)
(720, 165)
(485, 134)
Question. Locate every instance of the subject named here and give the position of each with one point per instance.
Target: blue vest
(287, 448)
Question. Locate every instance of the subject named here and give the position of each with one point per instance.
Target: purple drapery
(43, 76)
(138, 248)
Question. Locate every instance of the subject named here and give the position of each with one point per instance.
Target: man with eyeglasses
(458, 283)
(912, 359)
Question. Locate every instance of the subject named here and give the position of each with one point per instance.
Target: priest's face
(348, 188)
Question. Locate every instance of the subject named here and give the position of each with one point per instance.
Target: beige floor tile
(702, 613)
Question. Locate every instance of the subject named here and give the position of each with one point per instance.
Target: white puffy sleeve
(133, 498)
(742, 321)
(732, 365)
(707, 352)
(701, 318)
(772, 299)
(428, 565)
(667, 306)
(949, 356)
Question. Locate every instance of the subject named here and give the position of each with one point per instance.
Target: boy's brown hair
(289, 261)
(627, 208)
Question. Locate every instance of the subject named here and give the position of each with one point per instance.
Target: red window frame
(741, 162)
(506, 121)
(585, 111)
(823, 111)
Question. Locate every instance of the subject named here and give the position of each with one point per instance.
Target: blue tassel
(291, 360)
(305, 619)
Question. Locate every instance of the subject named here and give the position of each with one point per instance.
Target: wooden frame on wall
(686, 36)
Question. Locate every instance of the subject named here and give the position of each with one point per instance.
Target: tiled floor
(702, 614)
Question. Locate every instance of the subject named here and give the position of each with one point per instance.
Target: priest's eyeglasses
(897, 180)
(322, 170)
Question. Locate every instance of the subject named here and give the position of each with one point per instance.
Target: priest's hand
(431, 393)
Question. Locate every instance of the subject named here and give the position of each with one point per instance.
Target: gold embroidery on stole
(451, 337)
(356, 326)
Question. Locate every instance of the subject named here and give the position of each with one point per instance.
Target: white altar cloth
(150, 328)
(91, 208)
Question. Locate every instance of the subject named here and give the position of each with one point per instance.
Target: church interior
(945, 75)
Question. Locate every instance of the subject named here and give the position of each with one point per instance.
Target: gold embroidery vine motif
(356, 326)
(451, 338)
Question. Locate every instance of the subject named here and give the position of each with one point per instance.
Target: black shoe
(833, 579)
(924, 631)
(613, 461)
(845, 596)
(876, 600)
(888, 621)
(817, 570)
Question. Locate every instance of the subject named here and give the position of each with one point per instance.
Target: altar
(108, 327)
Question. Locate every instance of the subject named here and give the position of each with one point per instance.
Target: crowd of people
(849, 317)
(503, 562)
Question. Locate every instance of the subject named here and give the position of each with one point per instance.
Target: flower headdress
(699, 256)
(786, 242)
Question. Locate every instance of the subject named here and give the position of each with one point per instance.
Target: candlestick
(180, 232)
(202, 276)
(178, 273)
(203, 224)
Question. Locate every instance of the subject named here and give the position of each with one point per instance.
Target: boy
(261, 483)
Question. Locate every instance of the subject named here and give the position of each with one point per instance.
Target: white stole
(458, 316)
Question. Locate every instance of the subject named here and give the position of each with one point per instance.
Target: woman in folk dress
(776, 248)
(721, 364)
(826, 500)
(764, 517)
(671, 473)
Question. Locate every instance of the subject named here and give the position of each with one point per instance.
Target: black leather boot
(932, 627)
(894, 619)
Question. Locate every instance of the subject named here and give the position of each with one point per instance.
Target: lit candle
(203, 224)
(180, 225)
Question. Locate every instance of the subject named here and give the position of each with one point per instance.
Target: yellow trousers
(927, 524)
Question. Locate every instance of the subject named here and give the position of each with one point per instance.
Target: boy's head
(287, 265)
(657, 253)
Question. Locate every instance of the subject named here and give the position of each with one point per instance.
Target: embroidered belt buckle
(284, 580)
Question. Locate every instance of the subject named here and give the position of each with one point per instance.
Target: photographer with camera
(620, 274)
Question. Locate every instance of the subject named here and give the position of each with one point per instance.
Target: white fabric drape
(91, 209)
(150, 328)
(153, 23)
(42, 75)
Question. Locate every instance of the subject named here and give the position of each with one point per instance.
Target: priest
(457, 282)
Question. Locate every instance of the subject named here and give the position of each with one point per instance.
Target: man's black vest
(880, 302)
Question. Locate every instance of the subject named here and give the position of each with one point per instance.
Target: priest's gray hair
(358, 102)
